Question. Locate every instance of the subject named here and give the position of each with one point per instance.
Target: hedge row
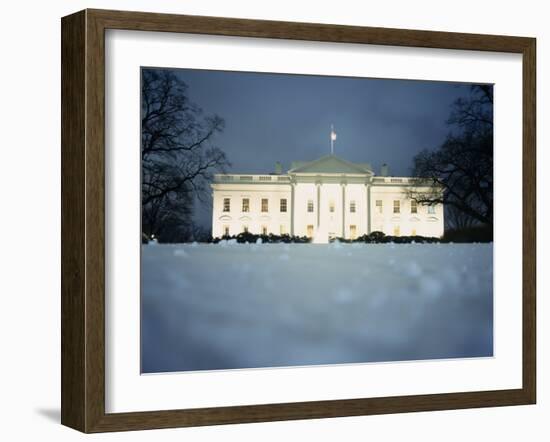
(482, 233)
(382, 238)
(247, 237)
(468, 235)
(372, 238)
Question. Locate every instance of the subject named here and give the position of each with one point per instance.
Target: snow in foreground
(225, 306)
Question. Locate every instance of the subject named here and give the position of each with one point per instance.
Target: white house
(326, 198)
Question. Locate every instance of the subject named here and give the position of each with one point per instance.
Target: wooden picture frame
(83, 220)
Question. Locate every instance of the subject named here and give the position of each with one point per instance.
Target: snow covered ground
(224, 306)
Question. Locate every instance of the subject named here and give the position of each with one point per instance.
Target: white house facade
(322, 199)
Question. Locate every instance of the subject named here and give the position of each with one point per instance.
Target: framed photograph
(267, 221)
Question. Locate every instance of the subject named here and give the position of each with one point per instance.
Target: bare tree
(460, 172)
(178, 156)
(169, 218)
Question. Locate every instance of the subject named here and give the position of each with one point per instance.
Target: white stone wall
(236, 219)
(330, 222)
(422, 223)
(302, 218)
(404, 223)
(357, 193)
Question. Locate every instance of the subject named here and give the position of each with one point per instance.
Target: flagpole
(331, 139)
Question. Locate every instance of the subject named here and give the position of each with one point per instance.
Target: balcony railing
(395, 180)
(234, 178)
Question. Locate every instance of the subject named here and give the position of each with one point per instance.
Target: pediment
(331, 164)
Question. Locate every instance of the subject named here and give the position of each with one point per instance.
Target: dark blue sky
(280, 117)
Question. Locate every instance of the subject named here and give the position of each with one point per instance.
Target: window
(352, 231)
(246, 205)
(396, 231)
(265, 204)
(245, 229)
(310, 205)
(226, 204)
(414, 206)
(396, 206)
(264, 230)
(431, 209)
(310, 231)
(282, 230)
(352, 206)
(282, 206)
(379, 207)
(331, 206)
(225, 230)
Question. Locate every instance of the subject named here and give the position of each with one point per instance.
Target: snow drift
(228, 305)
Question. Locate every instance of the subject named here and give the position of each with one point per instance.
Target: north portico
(325, 198)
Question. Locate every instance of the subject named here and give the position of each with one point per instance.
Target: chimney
(278, 168)
(384, 170)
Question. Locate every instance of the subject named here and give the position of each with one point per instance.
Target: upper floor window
(226, 204)
(414, 206)
(379, 207)
(352, 206)
(282, 206)
(331, 206)
(265, 205)
(310, 205)
(246, 205)
(431, 209)
(396, 206)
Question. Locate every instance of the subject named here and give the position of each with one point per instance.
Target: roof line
(360, 169)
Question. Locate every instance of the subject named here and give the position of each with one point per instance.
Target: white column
(367, 187)
(343, 184)
(318, 203)
(292, 185)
